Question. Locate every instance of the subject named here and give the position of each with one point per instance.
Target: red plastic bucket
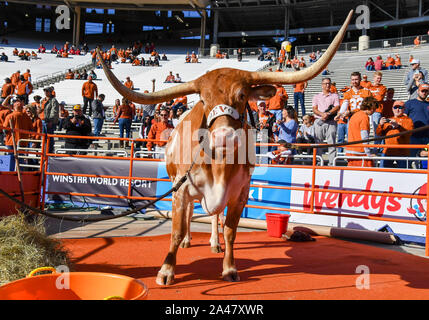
(276, 224)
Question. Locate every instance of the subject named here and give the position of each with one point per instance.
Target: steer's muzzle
(224, 139)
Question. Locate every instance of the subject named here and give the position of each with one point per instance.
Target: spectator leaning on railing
(388, 126)
(77, 125)
(325, 107)
(160, 131)
(359, 128)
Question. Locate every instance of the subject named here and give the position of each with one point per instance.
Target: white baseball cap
(415, 61)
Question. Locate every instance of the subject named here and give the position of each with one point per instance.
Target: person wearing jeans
(125, 116)
(298, 96)
(98, 114)
(325, 107)
(89, 92)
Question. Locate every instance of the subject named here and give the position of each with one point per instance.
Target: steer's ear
(263, 92)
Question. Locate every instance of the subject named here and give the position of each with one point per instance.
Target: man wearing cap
(77, 125)
(388, 126)
(418, 110)
(415, 66)
(89, 92)
(51, 110)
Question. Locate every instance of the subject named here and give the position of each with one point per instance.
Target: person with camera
(325, 107)
(388, 126)
(77, 125)
(413, 85)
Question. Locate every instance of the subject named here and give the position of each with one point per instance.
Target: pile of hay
(25, 247)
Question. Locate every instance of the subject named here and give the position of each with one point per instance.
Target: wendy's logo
(418, 206)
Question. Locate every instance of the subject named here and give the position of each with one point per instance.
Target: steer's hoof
(164, 279)
(216, 249)
(231, 276)
(185, 244)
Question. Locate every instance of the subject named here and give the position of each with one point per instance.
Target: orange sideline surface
(270, 268)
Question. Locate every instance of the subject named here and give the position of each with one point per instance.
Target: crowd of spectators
(338, 115)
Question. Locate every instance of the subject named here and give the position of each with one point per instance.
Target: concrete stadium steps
(70, 90)
(343, 64)
(46, 64)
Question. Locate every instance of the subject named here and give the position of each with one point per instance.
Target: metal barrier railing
(363, 158)
(232, 52)
(124, 153)
(373, 44)
(311, 188)
(319, 162)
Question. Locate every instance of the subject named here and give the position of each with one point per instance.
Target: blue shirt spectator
(418, 111)
(287, 128)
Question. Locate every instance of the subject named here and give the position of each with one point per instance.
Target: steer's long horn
(309, 73)
(147, 98)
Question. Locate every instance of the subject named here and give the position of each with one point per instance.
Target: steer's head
(225, 92)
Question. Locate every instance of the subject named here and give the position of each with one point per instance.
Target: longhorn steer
(219, 178)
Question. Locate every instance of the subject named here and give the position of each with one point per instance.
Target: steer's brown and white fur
(215, 180)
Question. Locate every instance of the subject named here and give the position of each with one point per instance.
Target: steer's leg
(232, 218)
(214, 239)
(186, 243)
(178, 230)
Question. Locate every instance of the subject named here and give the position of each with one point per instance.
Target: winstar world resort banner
(392, 205)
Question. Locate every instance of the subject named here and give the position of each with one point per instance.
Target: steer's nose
(221, 137)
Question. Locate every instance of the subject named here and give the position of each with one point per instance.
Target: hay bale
(25, 247)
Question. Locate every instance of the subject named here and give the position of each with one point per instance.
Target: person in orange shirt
(14, 78)
(352, 100)
(378, 91)
(160, 131)
(398, 63)
(23, 89)
(400, 122)
(364, 82)
(277, 102)
(180, 102)
(170, 78)
(70, 75)
(31, 111)
(7, 89)
(18, 120)
(359, 128)
(5, 109)
(417, 42)
(125, 116)
(219, 55)
(390, 62)
(334, 88)
(89, 92)
(136, 62)
(129, 84)
(27, 75)
(298, 95)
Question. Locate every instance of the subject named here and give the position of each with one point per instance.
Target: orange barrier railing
(313, 189)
